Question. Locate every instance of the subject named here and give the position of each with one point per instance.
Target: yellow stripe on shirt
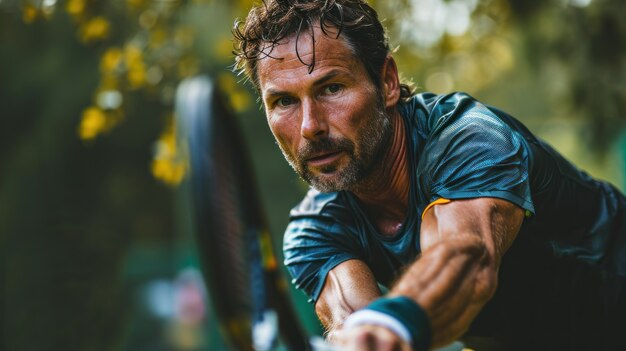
(439, 201)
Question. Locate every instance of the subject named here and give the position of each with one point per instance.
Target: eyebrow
(320, 81)
(328, 76)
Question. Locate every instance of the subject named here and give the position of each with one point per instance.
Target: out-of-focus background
(95, 241)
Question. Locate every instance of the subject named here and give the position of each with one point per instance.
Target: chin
(324, 188)
(330, 184)
(333, 178)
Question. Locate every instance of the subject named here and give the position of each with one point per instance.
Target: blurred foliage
(585, 43)
(576, 51)
(169, 164)
(87, 91)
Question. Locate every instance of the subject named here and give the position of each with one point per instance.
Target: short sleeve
(314, 246)
(472, 153)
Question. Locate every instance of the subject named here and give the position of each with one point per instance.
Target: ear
(390, 82)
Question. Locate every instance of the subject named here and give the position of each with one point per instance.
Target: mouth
(323, 158)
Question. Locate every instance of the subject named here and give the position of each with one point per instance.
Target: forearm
(348, 287)
(451, 281)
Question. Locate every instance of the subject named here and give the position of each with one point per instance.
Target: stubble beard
(364, 156)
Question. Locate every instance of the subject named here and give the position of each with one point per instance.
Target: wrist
(403, 316)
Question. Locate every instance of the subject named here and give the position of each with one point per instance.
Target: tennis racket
(248, 293)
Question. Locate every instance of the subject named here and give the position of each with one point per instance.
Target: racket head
(246, 288)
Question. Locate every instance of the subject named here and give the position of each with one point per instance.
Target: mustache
(325, 145)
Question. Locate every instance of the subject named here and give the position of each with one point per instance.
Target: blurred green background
(96, 248)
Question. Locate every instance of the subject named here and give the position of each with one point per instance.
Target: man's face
(330, 124)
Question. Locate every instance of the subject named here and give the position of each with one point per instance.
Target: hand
(368, 338)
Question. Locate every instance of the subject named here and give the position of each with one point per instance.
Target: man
(471, 226)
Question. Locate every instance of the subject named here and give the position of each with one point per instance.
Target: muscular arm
(462, 244)
(348, 287)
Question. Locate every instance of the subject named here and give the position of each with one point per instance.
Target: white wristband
(378, 318)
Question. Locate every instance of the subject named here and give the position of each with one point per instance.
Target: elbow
(324, 314)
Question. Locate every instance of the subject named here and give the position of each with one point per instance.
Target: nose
(313, 121)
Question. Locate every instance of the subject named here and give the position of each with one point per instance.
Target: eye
(284, 101)
(332, 89)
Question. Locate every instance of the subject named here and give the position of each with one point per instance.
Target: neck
(385, 193)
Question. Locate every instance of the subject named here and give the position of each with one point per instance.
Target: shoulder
(455, 123)
(435, 112)
(320, 205)
(460, 115)
(313, 203)
(471, 151)
(436, 104)
(459, 108)
(464, 132)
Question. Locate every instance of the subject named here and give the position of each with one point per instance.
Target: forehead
(290, 59)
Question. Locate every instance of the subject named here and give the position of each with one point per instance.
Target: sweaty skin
(462, 241)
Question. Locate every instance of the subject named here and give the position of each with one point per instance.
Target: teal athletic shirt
(573, 237)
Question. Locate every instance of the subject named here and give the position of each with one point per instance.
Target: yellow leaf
(135, 3)
(75, 7)
(137, 76)
(95, 29)
(170, 163)
(93, 122)
(30, 13)
(110, 60)
(133, 55)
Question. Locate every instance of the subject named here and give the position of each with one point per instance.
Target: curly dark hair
(273, 20)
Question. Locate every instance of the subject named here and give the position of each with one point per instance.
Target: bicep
(492, 221)
(348, 287)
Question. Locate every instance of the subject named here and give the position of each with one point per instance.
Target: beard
(364, 155)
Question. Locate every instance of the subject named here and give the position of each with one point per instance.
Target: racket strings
(232, 246)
